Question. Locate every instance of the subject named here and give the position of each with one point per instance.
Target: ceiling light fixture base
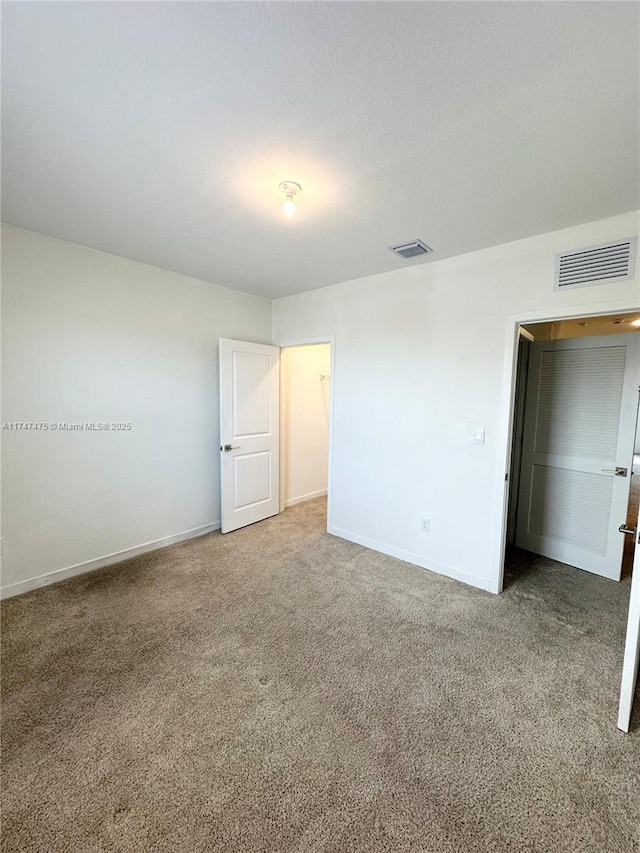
(290, 188)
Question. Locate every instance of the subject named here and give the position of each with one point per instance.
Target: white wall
(421, 360)
(88, 336)
(423, 356)
(305, 421)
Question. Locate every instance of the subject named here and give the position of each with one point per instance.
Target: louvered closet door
(582, 403)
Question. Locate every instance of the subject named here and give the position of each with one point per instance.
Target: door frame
(306, 342)
(519, 408)
(632, 641)
(507, 413)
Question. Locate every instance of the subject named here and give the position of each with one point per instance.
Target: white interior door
(582, 399)
(632, 645)
(249, 432)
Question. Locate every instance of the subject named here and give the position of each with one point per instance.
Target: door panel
(249, 432)
(252, 478)
(632, 645)
(251, 409)
(579, 427)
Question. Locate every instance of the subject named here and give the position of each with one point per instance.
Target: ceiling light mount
(290, 190)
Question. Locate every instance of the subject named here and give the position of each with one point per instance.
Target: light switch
(478, 436)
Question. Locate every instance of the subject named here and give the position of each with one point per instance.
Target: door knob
(228, 447)
(631, 531)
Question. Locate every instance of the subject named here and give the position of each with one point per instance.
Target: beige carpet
(278, 689)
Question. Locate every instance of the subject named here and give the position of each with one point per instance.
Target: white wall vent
(614, 261)
(413, 249)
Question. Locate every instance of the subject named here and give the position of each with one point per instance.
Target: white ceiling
(160, 131)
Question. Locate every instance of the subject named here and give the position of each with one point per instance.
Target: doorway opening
(575, 443)
(305, 422)
(634, 505)
(256, 455)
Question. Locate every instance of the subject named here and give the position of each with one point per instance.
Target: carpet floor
(278, 689)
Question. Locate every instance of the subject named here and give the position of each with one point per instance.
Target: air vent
(411, 250)
(613, 261)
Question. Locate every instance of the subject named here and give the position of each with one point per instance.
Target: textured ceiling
(160, 131)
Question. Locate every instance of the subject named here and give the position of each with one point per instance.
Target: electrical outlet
(425, 525)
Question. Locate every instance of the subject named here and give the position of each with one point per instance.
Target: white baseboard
(119, 556)
(303, 498)
(101, 562)
(414, 559)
